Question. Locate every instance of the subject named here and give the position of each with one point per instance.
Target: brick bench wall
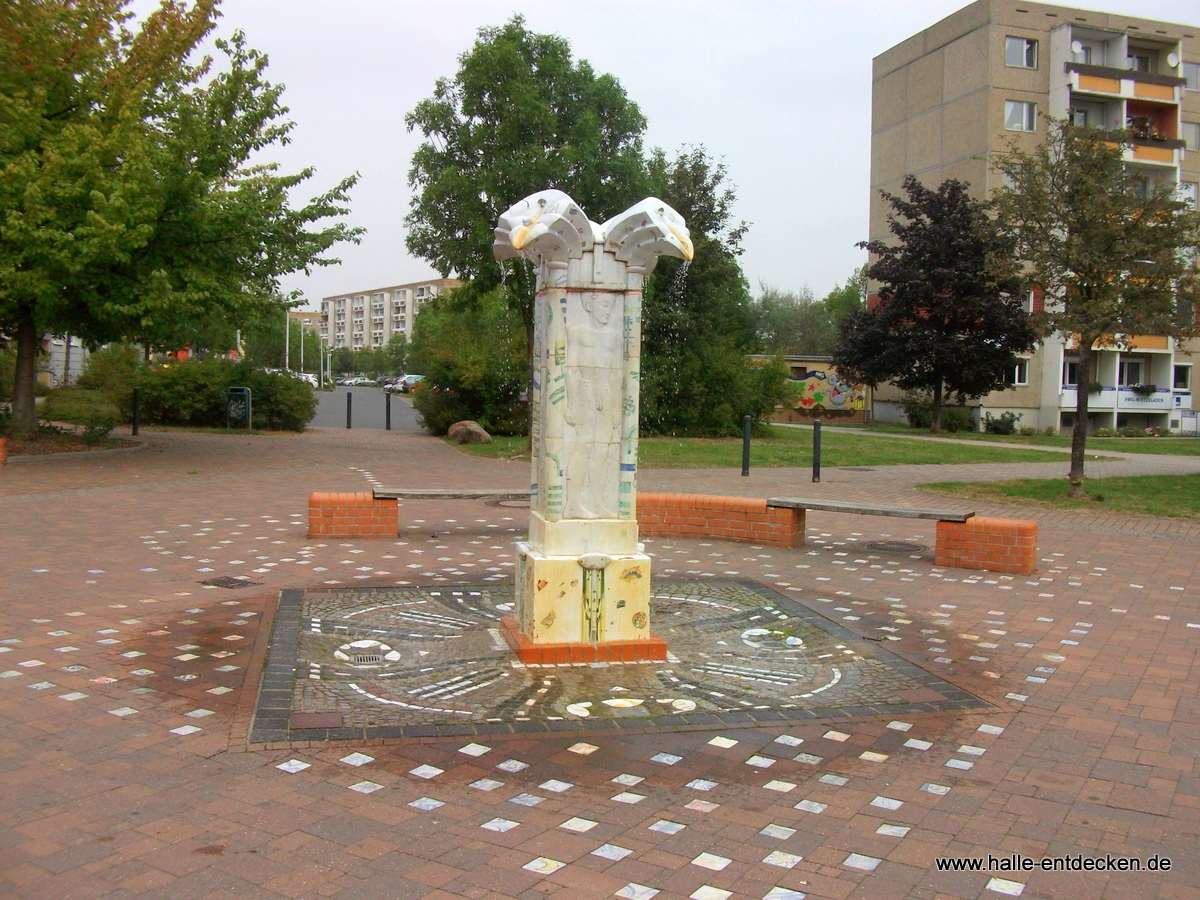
(997, 545)
(743, 519)
(352, 515)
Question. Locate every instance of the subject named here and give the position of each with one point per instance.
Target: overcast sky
(780, 90)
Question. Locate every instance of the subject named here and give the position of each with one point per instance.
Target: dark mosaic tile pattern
(430, 662)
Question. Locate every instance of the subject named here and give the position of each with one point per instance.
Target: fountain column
(583, 580)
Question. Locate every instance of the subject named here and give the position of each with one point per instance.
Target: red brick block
(984, 542)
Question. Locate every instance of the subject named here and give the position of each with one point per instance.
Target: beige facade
(365, 319)
(945, 101)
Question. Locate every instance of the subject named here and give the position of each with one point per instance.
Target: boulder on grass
(469, 432)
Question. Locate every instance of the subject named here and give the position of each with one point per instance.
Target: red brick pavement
(106, 798)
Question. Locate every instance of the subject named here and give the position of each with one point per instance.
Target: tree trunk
(24, 419)
(935, 419)
(1079, 432)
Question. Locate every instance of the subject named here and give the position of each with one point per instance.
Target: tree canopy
(519, 116)
(949, 317)
(134, 206)
(1115, 252)
(798, 324)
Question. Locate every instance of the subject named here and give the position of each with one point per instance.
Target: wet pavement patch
(425, 662)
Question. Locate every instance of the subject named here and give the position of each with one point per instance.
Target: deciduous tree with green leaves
(133, 206)
(949, 318)
(1115, 255)
(519, 116)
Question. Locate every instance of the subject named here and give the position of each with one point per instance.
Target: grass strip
(1176, 496)
(793, 447)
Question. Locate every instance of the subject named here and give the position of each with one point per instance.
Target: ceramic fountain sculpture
(583, 581)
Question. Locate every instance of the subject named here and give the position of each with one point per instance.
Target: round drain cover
(894, 547)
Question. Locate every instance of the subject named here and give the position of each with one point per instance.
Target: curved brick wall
(745, 519)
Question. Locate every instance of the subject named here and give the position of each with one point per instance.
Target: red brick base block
(997, 545)
(333, 515)
(653, 649)
(744, 519)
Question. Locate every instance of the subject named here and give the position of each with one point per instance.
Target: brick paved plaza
(128, 690)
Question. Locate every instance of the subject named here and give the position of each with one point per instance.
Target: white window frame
(1027, 303)
(1019, 376)
(1191, 74)
(1189, 193)
(1186, 369)
(1190, 132)
(1123, 368)
(1027, 112)
(1069, 378)
(1028, 50)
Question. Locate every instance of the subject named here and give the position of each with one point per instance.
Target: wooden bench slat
(449, 494)
(867, 509)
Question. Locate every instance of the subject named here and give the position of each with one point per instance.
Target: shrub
(439, 408)
(919, 410)
(80, 406)
(1029, 431)
(193, 394)
(1005, 423)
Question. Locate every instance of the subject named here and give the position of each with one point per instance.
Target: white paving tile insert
(1004, 886)
(781, 859)
(292, 766)
(778, 831)
(500, 825)
(361, 759)
(611, 851)
(861, 862)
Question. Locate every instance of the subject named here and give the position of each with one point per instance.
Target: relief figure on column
(593, 413)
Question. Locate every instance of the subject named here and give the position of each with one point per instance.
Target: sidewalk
(126, 688)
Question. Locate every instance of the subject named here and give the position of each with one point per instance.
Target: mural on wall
(821, 393)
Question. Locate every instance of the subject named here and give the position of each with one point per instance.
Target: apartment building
(366, 319)
(945, 101)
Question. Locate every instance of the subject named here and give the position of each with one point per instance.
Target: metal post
(816, 451)
(745, 445)
(137, 398)
(287, 341)
(387, 406)
(349, 404)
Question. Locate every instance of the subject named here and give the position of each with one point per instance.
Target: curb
(73, 454)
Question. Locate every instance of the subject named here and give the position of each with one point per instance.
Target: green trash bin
(239, 408)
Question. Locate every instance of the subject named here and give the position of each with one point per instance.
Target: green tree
(697, 321)
(949, 318)
(1115, 255)
(395, 353)
(797, 324)
(471, 348)
(133, 207)
(519, 116)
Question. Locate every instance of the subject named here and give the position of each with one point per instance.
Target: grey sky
(780, 91)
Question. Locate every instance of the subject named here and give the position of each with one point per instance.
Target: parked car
(359, 381)
(409, 382)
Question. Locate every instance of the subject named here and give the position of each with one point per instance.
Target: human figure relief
(593, 410)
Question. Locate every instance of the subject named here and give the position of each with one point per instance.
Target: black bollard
(349, 405)
(137, 401)
(745, 445)
(387, 411)
(816, 451)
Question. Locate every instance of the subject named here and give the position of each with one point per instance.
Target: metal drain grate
(894, 547)
(368, 659)
(231, 582)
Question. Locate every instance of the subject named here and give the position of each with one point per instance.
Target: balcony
(1104, 399)
(1108, 81)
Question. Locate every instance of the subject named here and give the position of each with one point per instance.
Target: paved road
(367, 409)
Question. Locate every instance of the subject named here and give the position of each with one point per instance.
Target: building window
(1020, 53)
(1139, 62)
(1028, 301)
(1191, 74)
(1191, 135)
(1020, 116)
(1129, 372)
(1083, 54)
(1019, 374)
(1189, 193)
(1070, 372)
(1183, 378)
(1079, 117)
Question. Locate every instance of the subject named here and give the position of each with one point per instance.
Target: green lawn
(793, 447)
(1170, 446)
(1150, 495)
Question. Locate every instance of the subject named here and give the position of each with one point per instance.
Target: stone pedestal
(582, 579)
